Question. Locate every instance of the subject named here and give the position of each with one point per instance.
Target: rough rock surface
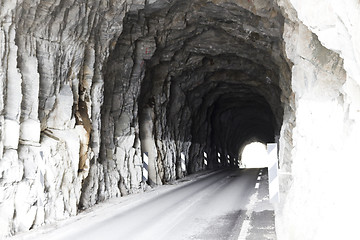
(52, 55)
(179, 73)
(87, 87)
(318, 198)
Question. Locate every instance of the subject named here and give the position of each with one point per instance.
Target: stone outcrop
(318, 199)
(88, 87)
(51, 74)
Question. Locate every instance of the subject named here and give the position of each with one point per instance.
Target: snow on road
(220, 205)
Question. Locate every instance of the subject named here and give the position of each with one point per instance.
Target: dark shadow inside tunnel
(190, 77)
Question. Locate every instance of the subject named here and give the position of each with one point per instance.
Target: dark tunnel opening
(211, 81)
(235, 120)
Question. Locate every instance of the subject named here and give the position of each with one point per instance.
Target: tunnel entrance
(195, 77)
(89, 88)
(203, 76)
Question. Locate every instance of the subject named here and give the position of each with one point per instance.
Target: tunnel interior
(97, 93)
(207, 76)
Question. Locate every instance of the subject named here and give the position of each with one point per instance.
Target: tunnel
(204, 73)
(104, 99)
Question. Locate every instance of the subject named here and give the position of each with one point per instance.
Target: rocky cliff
(89, 87)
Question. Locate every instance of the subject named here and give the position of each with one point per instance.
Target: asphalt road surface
(228, 204)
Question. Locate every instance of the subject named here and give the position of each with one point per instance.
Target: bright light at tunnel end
(254, 155)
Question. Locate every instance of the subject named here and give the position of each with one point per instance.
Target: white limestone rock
(61, 117)
(30, 131)
(25, 211)
(7, 209)
(52, 56)
(325, 111)
(11, 169)
(11, 134)
(13, 95)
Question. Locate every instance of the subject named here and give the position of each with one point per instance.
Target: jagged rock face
(87, 87)
(85, 92)
(51, 59)
(321, 40)
(201, 73)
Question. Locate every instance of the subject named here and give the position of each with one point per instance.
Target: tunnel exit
(254, 155)
(259, 155)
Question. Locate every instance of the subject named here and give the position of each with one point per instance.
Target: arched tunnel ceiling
(214, 66)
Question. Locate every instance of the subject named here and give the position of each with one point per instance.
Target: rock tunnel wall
(318, 199)
(182, 85)
(89, 86)
(51, 74)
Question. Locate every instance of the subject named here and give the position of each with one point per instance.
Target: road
(220, 205)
